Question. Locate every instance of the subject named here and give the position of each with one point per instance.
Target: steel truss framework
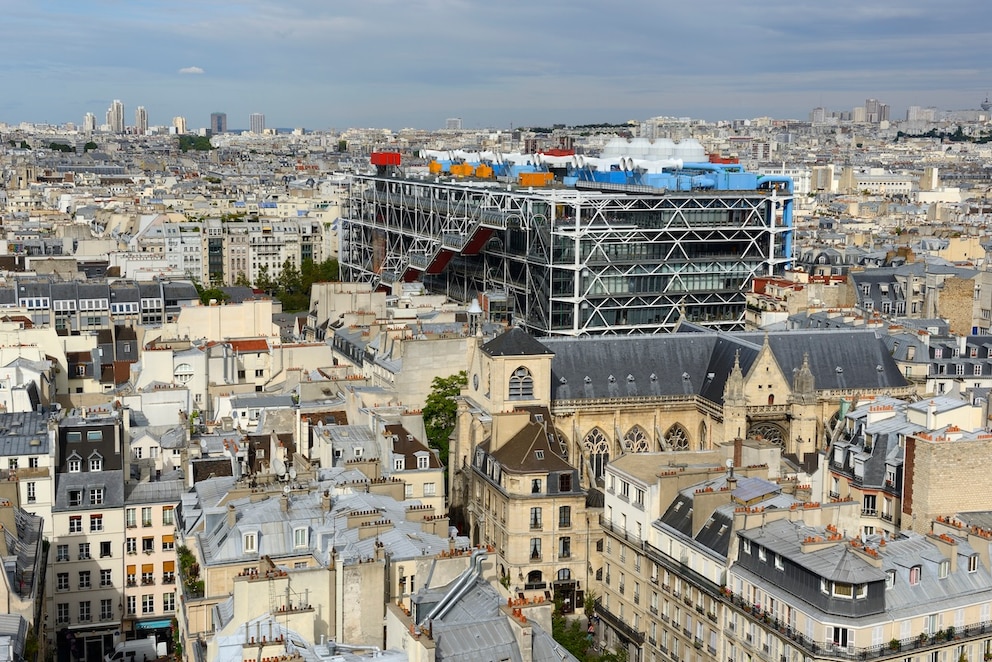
(571, 261)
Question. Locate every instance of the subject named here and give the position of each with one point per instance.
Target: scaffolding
(590, 259)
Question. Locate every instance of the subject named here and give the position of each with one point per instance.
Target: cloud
(191, 70)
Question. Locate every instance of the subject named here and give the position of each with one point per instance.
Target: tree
(208, 293)
(242, 280)
(264, 282)
(440, 410)
(89, 146)
(342, 145)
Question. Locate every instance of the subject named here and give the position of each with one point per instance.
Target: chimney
(284, 503)
(325, 501)
(232, 516)
(738, 451)
(931, 415)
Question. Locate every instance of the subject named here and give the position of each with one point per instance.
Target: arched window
(521, 384)
(534, 577)
(564, 574)
(771, 398)
(677, 439)
(598, 449)
(184, 373)
(636, 441)
(768, 431)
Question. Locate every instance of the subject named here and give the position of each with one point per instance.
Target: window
(96, 523)
(74, 437)
(106, 577)
(105, 550)
(423, 462)
(94, 435)
(942, 569)
(746, 545)
(259, 373)
(62, 553)
(147, 574)
(399, 463)
(535, 518)
(96, 496)
(106, 609)
(130, 518)
(168, 518)
(146, 517)
(131, 604)
(535, 486)
(84, 551)
(148, 545)
(779, 563)
(973, 563)
(565, 547)
(148, 604)
(762, 556)
(565, 482)
(84, 611)
(977, 369)
(75, 497)
(914, 575)
(168, 543)
(430, 489)
(248, 543)
(565, 516)
(33, 462)
(521, 384)
(168, 602)
(96, 463)
(76, 524)
(62, 612)
(131, 545)
(137, 453)
(301, 537)
(62, 581)
(535, 549)
(84, 579)
(408, 491)
(890, 578)
(32, 493)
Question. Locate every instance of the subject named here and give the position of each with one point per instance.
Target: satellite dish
(279, 467)
(292, 473)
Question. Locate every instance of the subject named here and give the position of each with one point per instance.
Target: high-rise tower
(115, 117)
(257, 123)
(140, 121)
(218, 123)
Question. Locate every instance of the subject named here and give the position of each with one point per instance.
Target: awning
(131, 569)
(147, 567)
(168, 566)
(153, 625)
(168, 540)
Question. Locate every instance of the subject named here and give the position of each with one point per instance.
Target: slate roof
(515, 342)
(23, 433)
(529, 451)
(836, 563)
(693, 362)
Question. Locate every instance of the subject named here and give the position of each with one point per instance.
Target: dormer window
(75, 465)
(914, 575)
(399, 463)
(301, 537)
(249, 543)
(96, 462)
(942, 569)
(890, 578)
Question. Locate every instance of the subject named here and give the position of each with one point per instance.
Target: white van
(135, 650)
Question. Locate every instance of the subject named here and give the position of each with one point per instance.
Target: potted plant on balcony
(921, 640)
(894, 644)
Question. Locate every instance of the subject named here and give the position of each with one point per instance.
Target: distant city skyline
(384, 64)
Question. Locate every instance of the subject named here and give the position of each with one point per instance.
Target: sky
(334, 64)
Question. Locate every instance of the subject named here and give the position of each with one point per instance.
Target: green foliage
(61, 147)
(342, 145)
(440, 410)
(89, 146)
(195, 143)
(291, 285)
(25, 145)
(589, 604)
(242, 280)
(206, 294)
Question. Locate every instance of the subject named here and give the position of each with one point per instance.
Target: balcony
(887, 517)
(619, 531)
(869, 512)
(619, 625)
(147, 581)
(828, 650)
